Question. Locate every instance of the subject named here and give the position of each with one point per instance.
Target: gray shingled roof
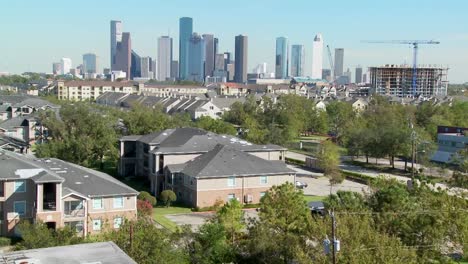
(225, 161)
(79, 179)
(226, 102)
(13, 123)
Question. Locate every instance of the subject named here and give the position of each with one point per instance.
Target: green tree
(168, 196)
(230, 216)
(146, 196)
(215, 125)
(328, 157)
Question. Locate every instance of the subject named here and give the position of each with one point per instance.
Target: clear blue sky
(36, 33)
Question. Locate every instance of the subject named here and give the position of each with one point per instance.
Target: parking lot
(320, 186)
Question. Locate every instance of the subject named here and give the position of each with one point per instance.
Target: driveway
(320, 186)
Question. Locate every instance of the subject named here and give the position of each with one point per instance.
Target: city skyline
(343, 31)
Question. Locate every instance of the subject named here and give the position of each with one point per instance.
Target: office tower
(57, 68)
(231, 72)
(297, 60)
(145, 66)
(241, 55)
(326, 74)
(135, 66)
(123, 55)
(348, 74)
(364, 77)
(175, 69)
(219, 62)
(65, 65)
(196, 58)
(216, 43)
(261, 68)
(227, 60)
(317, 57)
(282, 60)
(90, 64)
(154, 70)
(339, 62)
(164, 58)
(115, 37)
(185, 33)
(209, 53)
(358, 75)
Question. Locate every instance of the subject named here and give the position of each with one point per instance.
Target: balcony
(49, 205)
(74, 213)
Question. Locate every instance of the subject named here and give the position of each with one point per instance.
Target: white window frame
(95, 226)
(101, 206)
(231, 181)
(231, 198)
(263, 179)
(17, 189)
(262, 194)
(118, 222)
(16, 211)
(117, 199)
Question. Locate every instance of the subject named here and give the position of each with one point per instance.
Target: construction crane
(332, 67)
(415, 44)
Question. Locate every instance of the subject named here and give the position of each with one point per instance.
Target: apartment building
(148, 155)
(90, 90)
(450, 140)
(225, 173)
(21, 105)
(169, 90)
(59, 194)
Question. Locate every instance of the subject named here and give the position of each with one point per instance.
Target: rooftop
(95, 253)
(224, 161)
(99, 83)
(84, 181)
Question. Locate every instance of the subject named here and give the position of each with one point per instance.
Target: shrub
(168, 196)
(4, 241)
(146, 196)
(144, 207)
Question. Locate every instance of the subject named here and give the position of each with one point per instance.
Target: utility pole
(332, 214)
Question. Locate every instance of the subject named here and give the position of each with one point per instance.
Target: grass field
(313, 198)
(159, 215)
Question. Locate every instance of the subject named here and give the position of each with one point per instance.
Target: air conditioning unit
(248, 198)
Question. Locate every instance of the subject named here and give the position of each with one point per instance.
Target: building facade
(115, 37)
(339, 63)
(397, 80)
(209, 54)
(281, 58)
(66, 65)
(90, 64)
(317, 57)
(241, 55)
(90, 90)
(123, 55)
(61, 194)
(297, 61)
(196, 58)
(358, 73)
(164, 58)
(185, 33)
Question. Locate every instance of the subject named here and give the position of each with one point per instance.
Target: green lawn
(313, 198)
(159, 215)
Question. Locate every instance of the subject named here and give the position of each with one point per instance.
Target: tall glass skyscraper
(196, 51)
(185, 33)
(282, 60)
(240, 65)
(297, 60)
(115, 37)
(89, 63)
(339, 62)
(317, 59)
(210, 54)
(164, 58)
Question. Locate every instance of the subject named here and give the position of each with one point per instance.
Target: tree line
(391, 224)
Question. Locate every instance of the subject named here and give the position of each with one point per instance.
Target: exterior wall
(107, 220)
(178, 159)
(268, 155)
(9, 217)
(88, 92)
(108, 205)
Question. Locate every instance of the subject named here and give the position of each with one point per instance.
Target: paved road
(321, 186)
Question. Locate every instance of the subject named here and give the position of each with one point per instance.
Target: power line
(404, 212)
(404, 247)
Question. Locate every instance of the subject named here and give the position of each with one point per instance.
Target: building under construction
(397, 80)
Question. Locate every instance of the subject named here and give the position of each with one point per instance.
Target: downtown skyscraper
(185, 33)
(281, 58)
(339, 62)
(210, 46)
(196, 58)
(241, 55)
(164, 60)
(115, 37)
(123, 56)
(297, 60)
(90, 63)
(317, 57)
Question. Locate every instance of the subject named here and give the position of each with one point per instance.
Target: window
(97, 203)
(20, 186)
(263, 179)
(231, 196)
(19, 207)
(76, 225)
(118, 202)
(97, 224)
(117, 222)
(262, 194)
(231, 181)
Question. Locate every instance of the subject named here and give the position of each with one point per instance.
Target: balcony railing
(49, 205)
(74, 213)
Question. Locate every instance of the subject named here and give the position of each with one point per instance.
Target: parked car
(317, 208)
(301, 185)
